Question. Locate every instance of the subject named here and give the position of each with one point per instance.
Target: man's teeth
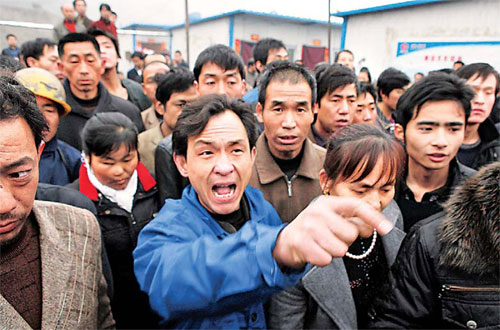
(229, 194)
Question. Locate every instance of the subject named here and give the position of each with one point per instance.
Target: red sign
(254, 37)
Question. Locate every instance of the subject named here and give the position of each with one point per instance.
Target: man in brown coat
(287, 164)
(50, 265)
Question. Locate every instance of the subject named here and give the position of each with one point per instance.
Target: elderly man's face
(219, 163)
(68, 12)
(18, 176)
(148, 83)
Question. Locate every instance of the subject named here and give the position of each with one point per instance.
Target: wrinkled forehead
(222, 130)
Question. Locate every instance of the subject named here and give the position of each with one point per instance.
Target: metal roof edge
(228, 14)
(391, 6)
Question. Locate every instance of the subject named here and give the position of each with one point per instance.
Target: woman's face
(377, 188)
(116, 168)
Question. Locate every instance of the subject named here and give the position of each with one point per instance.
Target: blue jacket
(59, 164)
(199, 276)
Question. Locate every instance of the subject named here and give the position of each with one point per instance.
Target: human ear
(160, 108)
(181, 163)
(259, 110)
(399, 132)
(324, 182)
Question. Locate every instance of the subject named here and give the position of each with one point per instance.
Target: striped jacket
(73, 287)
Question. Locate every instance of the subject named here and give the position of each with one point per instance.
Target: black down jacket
(447, 273)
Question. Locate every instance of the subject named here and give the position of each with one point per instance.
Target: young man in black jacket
(431, 118)
(82, 64)
(481, 145)
(446, 274)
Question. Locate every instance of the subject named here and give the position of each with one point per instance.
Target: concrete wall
(23, 34)
(375, 36)
(293, 34)
(201, 36)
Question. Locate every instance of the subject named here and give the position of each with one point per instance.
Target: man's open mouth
(224, 190)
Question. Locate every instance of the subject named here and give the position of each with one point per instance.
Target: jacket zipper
(289, 185)
(457, 288)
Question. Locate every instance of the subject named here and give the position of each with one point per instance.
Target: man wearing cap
(59, 162)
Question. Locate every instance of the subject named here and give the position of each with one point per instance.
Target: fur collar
(470, 232)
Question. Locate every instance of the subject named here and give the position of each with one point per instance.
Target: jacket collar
(88, 189)
(104, 98)
(329, 286)
(470, 231)
(51, 146)
(456, 173)
(487, 131)
(268, 171)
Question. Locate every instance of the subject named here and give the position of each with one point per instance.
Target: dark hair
(437, 86)
(104, 5)
(420, 73)
(114, 13)
(34, 48)
(353, 153)
(9, 63)
(195, 116)
(106, 132)
(459, 62)
(262, 48)
(10, 35)
(443, 70)
(366, 87)
(74, 38)
(160, 76)
(74, 2)
(223, 56)
(337, 55)
(319, 69)
(178, 51)
(137, 54)
(285, 71)
(333, 77)
(16, 101)
(98, 32)
(482, 70)
(251, 62)
(177, 80)
(390, 79)
(365, 69)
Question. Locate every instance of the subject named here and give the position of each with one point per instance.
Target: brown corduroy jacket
(74, 291)
(289, 197)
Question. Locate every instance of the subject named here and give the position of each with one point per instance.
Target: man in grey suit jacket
(50, 266)
(69, 24)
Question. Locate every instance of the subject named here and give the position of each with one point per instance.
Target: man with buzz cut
(482, 139)
(264, 52)
(431, 121)
(336, 103)
(82, 65)
(175, 90)
(211, 259)
(287, 164)
(391, 84)
(217, 70)
(42, 53)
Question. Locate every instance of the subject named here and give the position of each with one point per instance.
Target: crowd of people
(258, 195)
